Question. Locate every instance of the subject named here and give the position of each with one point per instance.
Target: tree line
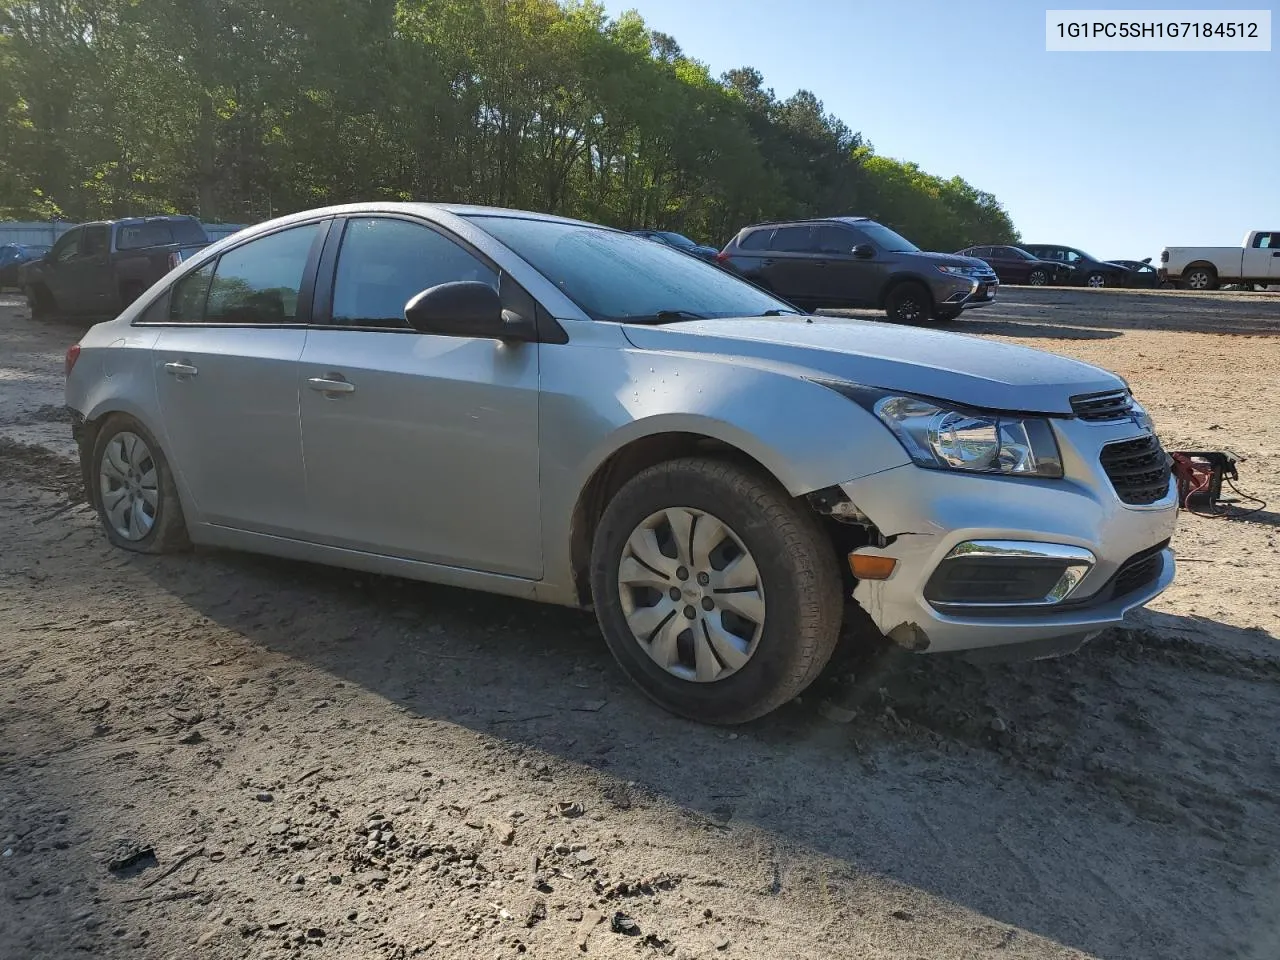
(239, 110)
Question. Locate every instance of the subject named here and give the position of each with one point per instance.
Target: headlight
(960, 270)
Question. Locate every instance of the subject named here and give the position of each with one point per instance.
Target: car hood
(932, 363)
(946, 259)
(1118, 266)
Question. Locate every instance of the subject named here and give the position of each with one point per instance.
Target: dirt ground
(223, 756)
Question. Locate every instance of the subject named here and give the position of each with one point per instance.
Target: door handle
(1276, 254)
(180, 369)
(331, 387)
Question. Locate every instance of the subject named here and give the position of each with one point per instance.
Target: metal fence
(44, 234)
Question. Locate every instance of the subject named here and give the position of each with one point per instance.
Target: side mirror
(864, 251)
(466, 308)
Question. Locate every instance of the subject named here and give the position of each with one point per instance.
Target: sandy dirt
(217, 755)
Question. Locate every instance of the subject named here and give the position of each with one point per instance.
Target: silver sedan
(551, 409)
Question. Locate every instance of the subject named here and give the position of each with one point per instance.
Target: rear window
(157, 233)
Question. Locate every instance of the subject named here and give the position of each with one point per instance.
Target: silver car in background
(559, 411)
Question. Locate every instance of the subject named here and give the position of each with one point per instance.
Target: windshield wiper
(666, 316)
(781, 313)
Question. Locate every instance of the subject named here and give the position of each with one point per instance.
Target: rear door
(791, 268)
(418, 446)
(87, 276)
(226, 371)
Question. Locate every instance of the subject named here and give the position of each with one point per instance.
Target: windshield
(886, 239)
(620, 277)
(676, 239)
(157, 233)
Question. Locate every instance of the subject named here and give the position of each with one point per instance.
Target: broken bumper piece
(985, 562)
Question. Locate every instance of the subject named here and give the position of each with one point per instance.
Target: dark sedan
(14, 255)
(1015, 265)
(1141, 273)
(1086, 271)
(680, 242)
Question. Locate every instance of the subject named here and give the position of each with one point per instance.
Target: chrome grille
(1097, 407)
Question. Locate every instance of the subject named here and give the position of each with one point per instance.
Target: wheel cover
(1038, 278)
(1097, 280)
(129, 486)
(1198, 280)
(692, 594)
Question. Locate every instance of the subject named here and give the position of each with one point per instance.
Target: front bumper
(968, 292)
(925, 514)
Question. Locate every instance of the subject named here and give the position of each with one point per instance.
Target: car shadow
(1024, 757)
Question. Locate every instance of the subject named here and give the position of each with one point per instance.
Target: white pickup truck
(1256, 261)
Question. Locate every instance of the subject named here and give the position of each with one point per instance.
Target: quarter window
(260, 281)
(385, 263)
(756, 240)
(95, 241)
(189, 294)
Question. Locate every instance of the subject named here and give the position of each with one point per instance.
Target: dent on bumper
(925, 514)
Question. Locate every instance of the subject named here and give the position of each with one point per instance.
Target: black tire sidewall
(741, 695)
(168, 510)
(901, 292)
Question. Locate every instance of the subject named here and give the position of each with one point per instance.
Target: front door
(845, 280)
(418, 446)
(226, 372)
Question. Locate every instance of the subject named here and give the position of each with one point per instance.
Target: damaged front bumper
(1114, 558)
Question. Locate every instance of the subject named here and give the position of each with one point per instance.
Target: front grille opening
(990, 580)
(1139, 470)
(1100, 407)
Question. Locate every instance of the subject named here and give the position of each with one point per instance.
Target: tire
(148, 528)
(1200, 278)
(1096, 280)
(1038, 278)
(796, 594)
(908, 303)
(41, 302)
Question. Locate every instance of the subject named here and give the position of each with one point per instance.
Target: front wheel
(717, 593)
(908, 303)
(134, 490)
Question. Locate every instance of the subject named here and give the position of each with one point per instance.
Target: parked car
(100, 268)
(856, 262)
(1015, 265)
(680, 242)
(14, 255)
(1141, 273)
(554, 410)
(1256, 261)
(1085, 270)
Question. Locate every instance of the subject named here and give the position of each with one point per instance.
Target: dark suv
(856, 262)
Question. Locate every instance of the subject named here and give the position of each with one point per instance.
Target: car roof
(804, 222)
(424, 210)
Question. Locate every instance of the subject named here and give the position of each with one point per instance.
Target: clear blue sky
(1119, 154)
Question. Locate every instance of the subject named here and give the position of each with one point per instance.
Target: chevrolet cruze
(554, 410)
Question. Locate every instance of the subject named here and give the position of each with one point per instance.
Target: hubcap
(129, 486)
(1198, 280)
(1096, 280)
(1037, 279)
(705, 625)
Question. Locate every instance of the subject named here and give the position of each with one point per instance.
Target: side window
(1073, 256)
(385, 263)
(791, 240)
(833, 240)
(1267, 241)
(96, 241)
(68, 246)
(756, 240)
(186, 305)
(259, 282)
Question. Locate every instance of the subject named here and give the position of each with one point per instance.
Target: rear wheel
(1096, 280)
(908, 303)
(718, 593)
(1200, 278)
(134, 490)
(1038, 278)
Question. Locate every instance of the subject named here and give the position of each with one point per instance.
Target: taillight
(73, 354)
(1164, 256)
(175, 258)
(722, 257)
